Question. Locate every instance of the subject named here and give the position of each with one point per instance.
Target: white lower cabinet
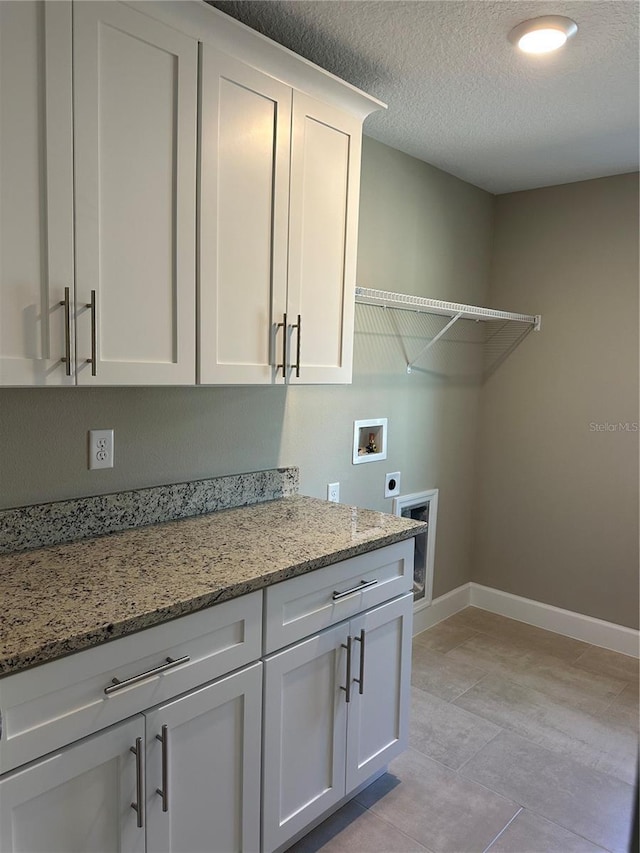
(305, 726)
(378, 723)
(336, 711)
(77, 800)
(195, 790)
(203, 768)
(170, 741)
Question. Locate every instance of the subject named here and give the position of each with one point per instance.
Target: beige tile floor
(521, 741)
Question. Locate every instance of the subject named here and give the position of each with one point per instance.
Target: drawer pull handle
(360, 680)
(362, 585)
(138, 806)
(347, 689)
(119, 685)
(164, 793)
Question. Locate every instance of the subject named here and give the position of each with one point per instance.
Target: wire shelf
(454, 311)
(386, 299)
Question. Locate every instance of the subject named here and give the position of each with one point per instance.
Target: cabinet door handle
(164, 793)
(360, 680)
(298, 339)
(138, 806)
(362, 585)
(283, 326)
(120, 685)
(92, 360)
(67, 331)
(347, 689)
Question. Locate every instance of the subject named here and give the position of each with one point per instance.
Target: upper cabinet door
(325, 183)
(135, 98)
(36, 193)
(244, 174)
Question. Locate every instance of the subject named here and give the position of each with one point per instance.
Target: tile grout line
(566, 828)
(460, 695)
(568, 753)
(455, 772)
(471, 757)
(515, 676)
(394, 826)
(504, 828)
(548, 749)
(582, 653)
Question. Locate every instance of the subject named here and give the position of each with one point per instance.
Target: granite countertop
(66, 598)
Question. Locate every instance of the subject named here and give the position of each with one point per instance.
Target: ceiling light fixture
(542, 35)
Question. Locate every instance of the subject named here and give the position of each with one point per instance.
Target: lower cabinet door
(203, 768)
(78, 800)
(379, 708)
(305, 723)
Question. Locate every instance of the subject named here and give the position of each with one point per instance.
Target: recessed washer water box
(421, 506)
(369, 440)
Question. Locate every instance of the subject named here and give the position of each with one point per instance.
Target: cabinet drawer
(304, 605)
(55, 704)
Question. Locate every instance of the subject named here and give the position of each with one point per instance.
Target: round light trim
(543, 35)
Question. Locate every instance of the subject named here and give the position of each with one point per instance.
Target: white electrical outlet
(100, 448)
(392, 485)
(333, 492)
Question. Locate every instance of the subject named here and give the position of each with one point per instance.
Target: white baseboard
(607, 635)
(586, 628)
(441, 608)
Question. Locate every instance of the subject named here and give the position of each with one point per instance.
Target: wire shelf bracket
(455, 310)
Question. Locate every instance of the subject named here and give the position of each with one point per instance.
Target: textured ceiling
(462, 97)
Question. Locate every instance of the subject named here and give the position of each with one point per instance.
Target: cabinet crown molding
(201, 21)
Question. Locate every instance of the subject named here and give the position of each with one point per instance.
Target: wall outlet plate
(392, 485)
(333, 492)
(100, 448)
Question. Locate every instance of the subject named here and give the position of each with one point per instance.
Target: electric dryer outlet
(392, 485)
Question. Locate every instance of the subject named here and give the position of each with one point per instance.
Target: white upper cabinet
(36, 193)
(279, 194)
(323, 233)
(278, 229)
(104, 279)
(135, 98)
(244, 171)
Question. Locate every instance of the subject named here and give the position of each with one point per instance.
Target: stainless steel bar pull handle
(360, 681)
(283, 326)
(347, 689)
(164, 792)
(298, 326)
(116, 684)
(92, 361)
(362, 585)
(138, 806)
(67, 330)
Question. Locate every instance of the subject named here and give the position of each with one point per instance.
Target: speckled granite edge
(55, 523)
(104, 633)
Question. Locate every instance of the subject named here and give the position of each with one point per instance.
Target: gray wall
(557, 509)
(421, 232)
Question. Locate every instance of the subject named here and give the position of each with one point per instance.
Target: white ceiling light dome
(543, 35)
